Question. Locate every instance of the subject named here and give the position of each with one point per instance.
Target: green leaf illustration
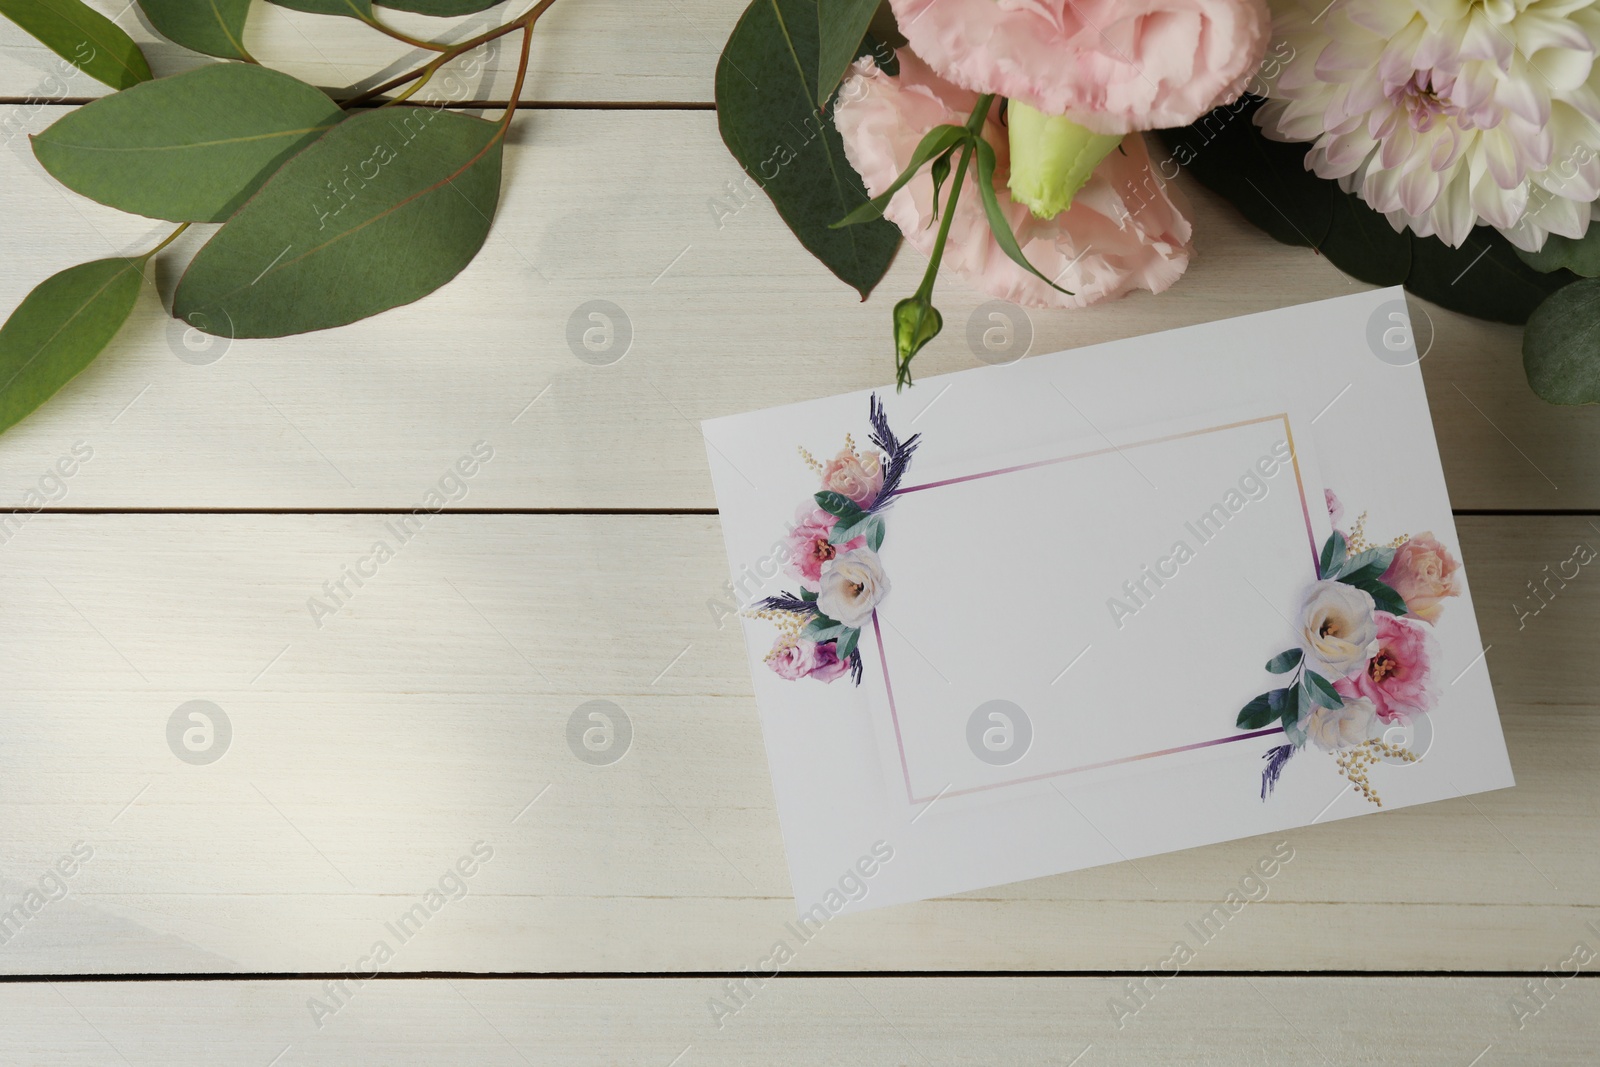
(766, 88)
(847, 642)
(1284, 662)
(83, 37)
(1334, 552)
(1384, 598)
(60, 328)
(214, 27)
(838, 504)
(189, 148)
(385, 208)
(1259, 712)
(1364, 566)
(1320, 690)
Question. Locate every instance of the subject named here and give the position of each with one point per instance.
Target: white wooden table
(221, 904)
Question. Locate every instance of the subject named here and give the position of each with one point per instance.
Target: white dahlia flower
(1445, 113)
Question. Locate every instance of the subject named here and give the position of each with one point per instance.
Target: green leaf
(997, 218)
(1321, 690)
(838, 504)
(1384, 598)
(1483, 278)
(189, 148)
(875, 533)
(1581, 255)
(1268, 183)
(767, 113)
(1294, 704)
(807, 595)
(1284, 662)
(939, 140)
(299, 256)
(847, 642)
(1364, 566)
(214, 27)
(821, 628)
(83, 37)
(1258, 713)
(356, 9)
(60, 328)
(858, 525)
(1265, 180)
(1362, 243)
(1561, 346)
(442, 8)
(1333, 555)
(841, 24)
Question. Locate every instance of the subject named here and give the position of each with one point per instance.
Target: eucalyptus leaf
(356, 9)
(416, 190)
(1561, 346)
(189, 148)
(841, 25)
(807, 595)
(1267, 181)
(766, 89)
(1579, 255)
(213, 27)
(60, 328)
(83, 37)
(847, 642)
(442, 8)
(1284, 662)
(875, 533)
(1362, 242)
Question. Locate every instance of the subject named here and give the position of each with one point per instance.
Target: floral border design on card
(832, 551)
(1364, 659)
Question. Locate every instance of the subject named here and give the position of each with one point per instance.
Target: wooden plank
(431, 712)
(597, 51)
(726, 313)
(801, 1021)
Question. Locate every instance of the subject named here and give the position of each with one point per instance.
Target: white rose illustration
(1331, 729)
(1337, 631)
(852, 584)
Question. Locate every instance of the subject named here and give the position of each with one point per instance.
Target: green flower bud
(916, 322)
(1051, 158)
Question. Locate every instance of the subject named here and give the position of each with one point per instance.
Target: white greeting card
(1105, 603)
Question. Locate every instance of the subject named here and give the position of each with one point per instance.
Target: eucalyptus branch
(524, 21)
(173, 236)
(406, 38)
(516, 87)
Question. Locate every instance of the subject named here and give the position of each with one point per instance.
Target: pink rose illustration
(808, 546)
(1108, 65)
(1424, 573)
(1335, 509)
(1399, 678)
(1124, 230)
(858, 476)
(794, 658)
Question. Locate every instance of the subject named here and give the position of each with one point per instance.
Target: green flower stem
(924, 293)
